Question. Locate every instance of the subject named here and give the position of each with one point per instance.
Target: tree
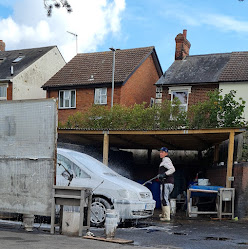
(50, 4)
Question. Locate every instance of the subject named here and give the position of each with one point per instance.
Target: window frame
(4, 86)
(19, 58)
(71, 167)
(159, 92)
(99, 89)
(69, 98)
(181, 89)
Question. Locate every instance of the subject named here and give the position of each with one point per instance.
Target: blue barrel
(155, 189)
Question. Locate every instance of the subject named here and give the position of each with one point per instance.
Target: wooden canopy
(154, 139)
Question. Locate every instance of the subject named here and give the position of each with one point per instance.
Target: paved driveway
(199, 233)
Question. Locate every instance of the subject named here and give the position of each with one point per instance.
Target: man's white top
(167, 163)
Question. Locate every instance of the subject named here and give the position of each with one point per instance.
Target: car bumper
(134, 210)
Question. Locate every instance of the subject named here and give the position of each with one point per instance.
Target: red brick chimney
(182, 46)
(2, 45)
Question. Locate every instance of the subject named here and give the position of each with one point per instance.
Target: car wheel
(98, 211)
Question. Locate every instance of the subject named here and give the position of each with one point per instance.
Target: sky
(212, 26)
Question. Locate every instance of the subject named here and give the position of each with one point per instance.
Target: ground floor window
(67, 99)
(3, 91)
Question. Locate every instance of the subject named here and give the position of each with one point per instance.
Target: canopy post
(105, 148)
(230, 159)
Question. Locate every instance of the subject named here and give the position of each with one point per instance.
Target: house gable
(29, 56)
(136, 71)
(26, 70)
(140, 86)
(27, 84)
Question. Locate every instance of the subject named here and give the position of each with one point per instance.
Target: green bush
(218, 111)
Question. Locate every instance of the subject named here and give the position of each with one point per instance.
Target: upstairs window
(67, 99)
(182, 94)
(159, 92)
(100, 96)
(3, 92)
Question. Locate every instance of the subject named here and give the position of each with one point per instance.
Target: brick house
(189, 78)
(24, 71)
(87, 80)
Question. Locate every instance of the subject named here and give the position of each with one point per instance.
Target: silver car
(129, 199)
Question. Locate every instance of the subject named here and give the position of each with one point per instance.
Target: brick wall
(217, 177)
(9, 91)
(84, 100)
(198, 93)
(139, 88)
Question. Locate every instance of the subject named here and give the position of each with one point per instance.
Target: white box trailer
(28, 138)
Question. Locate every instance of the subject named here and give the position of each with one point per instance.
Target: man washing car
(166, 178)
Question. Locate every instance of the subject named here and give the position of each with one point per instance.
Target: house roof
(236, 68)
(27, 57)
(89, 69)
(209, 68)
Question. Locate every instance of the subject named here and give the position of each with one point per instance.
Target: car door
(66, 167)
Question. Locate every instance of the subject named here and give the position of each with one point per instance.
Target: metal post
(76, 40)
(230, 159)
(113, 77)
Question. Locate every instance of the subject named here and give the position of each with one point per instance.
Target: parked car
(129, 199)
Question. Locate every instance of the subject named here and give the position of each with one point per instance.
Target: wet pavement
(181, 232)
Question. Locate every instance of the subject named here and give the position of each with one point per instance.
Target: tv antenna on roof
(76, 39)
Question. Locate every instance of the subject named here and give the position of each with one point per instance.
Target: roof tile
(29, 57)
(96, 68)
(209, 68)
(237, 68)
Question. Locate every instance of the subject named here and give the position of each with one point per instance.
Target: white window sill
(63, 108)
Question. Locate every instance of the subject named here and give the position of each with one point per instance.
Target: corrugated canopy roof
(173, 139)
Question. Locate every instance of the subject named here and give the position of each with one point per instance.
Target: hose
(149, 181)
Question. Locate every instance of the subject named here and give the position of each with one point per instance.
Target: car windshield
(92, 164)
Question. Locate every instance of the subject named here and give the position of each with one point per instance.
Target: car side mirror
(67, 175)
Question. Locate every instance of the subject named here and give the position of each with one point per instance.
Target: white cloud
(91, 20)
(225, 23)
(193, 16)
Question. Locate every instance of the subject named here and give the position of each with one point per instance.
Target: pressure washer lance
(69, 176)
(150, 181)
(91, 193)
